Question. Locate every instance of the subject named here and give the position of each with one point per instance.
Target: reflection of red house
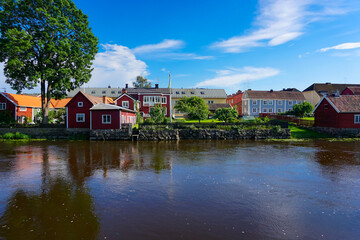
(146, 98)
(351, 91)
(25, 106)
(109, 116)
(338, 112)
(235, 100)
(78, 109)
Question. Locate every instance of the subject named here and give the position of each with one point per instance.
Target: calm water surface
(180, 190)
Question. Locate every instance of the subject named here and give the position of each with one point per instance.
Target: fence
(292, 119)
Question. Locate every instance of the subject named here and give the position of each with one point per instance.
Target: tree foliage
(142, 82)
(5, 117)
(47, 43)
(301, 109)
(194, 107)
(157, 113)
(226, 114)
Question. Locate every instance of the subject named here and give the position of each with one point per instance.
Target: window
(290, 109)
(192, 92)
(112, 92)
(280, 102)
(254, 102)
(103, 92)
(290, 103)
(211, 101)
(202, 93)
(356, 118)
(93, 92)
(279, 110)
(80, 104)
(177, 92)
(163, 100)
(106, 118)
(2, 106)
(22, 109)
(152, 99)
(254, 110)
(270, 110)
(264, 102)
(326, 106)
(119, 92)
(125, 104)
(264, 110)
(270, 102)
(182, 92)
(80, 117)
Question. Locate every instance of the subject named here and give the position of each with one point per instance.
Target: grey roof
(198, 92)
(116, 92)
(103, 106)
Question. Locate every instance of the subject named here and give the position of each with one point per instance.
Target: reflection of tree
(60, 212)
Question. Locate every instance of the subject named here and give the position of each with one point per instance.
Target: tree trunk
(45, 102)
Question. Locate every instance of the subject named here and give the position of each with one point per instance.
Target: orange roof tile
(32, 101)
(59, 103)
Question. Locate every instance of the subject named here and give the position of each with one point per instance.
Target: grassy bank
(302, 133)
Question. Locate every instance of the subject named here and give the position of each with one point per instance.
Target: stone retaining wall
(158, 135)
(49, 133)
(339, 132)
(111, 134)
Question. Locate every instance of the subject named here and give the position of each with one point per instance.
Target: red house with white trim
(338, 112)
(146, 98)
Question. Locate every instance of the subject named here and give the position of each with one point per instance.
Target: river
(180, 190)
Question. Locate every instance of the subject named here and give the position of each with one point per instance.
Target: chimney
(124, 90)
(271, 90)
(104, 99)
(327, 83)
(126, 85)
(109, 86)
(156, 85)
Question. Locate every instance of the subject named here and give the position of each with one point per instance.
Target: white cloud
(235, 76)
(181, 56)
(166, 44)
(280, 21)
(116, 66)
(343, 46)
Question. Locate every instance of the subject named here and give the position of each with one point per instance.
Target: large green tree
(47, 43)
(194, 107)
(157, 113)
(142, 82)
(301, 109)
(226, 114)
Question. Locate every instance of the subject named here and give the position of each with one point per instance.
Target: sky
(229, 44)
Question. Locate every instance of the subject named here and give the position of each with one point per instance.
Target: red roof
(345, 103)
(355, 90)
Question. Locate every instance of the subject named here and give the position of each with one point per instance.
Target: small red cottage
(338, 112)
(146, 98)
(78, 109)
(109, 116)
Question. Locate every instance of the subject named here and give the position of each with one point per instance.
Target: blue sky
(235, 44)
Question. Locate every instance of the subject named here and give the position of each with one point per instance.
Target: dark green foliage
(47, 43)
(17, 135)
(226, 114)
(157, 114)
(5, 117)
(194, 107)
(300, 110)
(141, 82)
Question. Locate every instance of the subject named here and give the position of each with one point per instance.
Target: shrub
(5, 117)
(9, 136)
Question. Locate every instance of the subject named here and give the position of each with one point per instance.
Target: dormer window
(112, 92)
(182, 92)
(103, 92)
(80, 104)
(93, 92)
(192, 92)
(202, 93)
(177, 92)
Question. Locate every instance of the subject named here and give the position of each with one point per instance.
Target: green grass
(308, 118)
(301, 133)
(204, 121)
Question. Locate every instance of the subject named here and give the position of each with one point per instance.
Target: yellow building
(215, 98)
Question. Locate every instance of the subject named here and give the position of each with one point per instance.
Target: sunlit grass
(297, 132)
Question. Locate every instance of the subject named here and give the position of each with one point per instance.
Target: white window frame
(254, 109)
(107, 118)
(270, 102)
(357, 119)
(125, 104)
(265, 102)
(152, 99)
(270, 110)
(2, 106)
(80, 104)
(280, 102)
(254, 102)
(163, 100)
(93, 92)
(265, 110)
(211, 101)
(22, 109)
(78, 115)
(290, 103)
(279, 110)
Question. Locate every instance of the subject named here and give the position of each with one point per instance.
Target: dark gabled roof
(214, 106)
(148, 90)
(93, 99)
(346, 103)
(355, 90)
(329, 87)
(198, 92)
(133, 97)
(115, 92)
(288, 95)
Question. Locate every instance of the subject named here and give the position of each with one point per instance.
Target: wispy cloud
(116, 66)
(235, 76)
(167, 49)
(166, 44)
(343, 46)
(278, 22)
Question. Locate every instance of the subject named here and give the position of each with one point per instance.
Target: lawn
(297, 132)
(308, 118)
(204, 121)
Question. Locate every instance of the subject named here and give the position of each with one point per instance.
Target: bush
(149, 121)
(167, 120)
(9, 136)
(5, 117)
(17, 135)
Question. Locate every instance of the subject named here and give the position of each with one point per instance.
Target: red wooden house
(146, 98)
(109, 116)
(338, 112)
(25, 106)
(78, 109)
